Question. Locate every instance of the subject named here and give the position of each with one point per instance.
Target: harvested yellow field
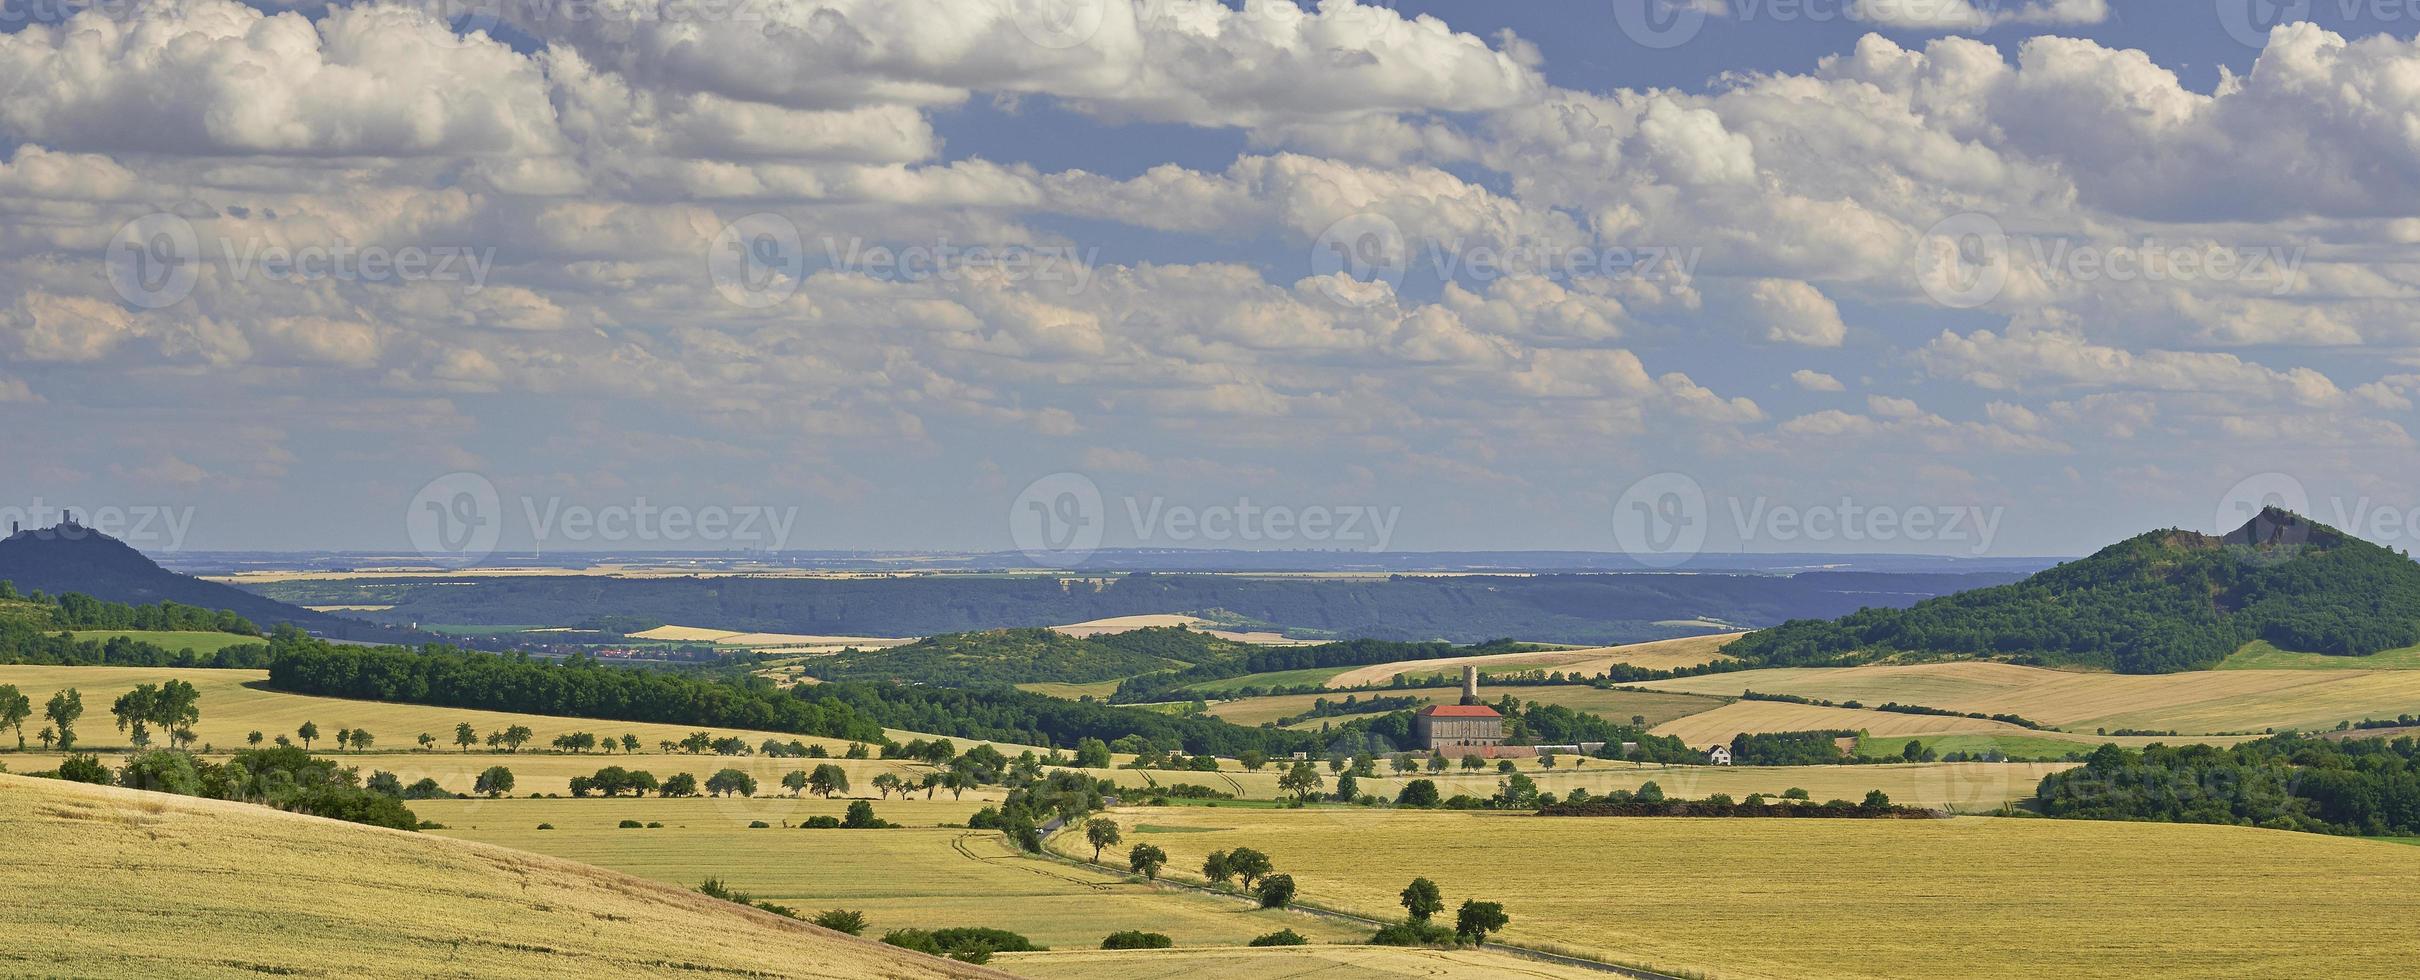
(1750, 717)
(1971, 897)
(1687, 651)
(1124, 624)
(1285, 963)
(737, 638)
(2210, 701)
(232, 706)
(1961, 787)
(922, 878)
(145, 884)
(1657, 707)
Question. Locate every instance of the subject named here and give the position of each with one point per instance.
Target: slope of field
(2261, 655)
(739, 638)
(1687, 651)
(1716, 727)
(2198, 702)
(1121, 624)
(145, 884)
(233, 705)
(925, 878)
(1971, 897)
(1285, 963)
(1657, 707)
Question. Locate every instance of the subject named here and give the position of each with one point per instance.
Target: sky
(1660, 276)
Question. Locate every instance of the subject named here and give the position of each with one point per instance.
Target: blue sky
(1824, 277)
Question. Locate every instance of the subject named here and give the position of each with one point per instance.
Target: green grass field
(1971, 897)
(150, 885)
(197, 641)
(924, 878)
(2260, 655)
(2014, 746)
(1275, 678)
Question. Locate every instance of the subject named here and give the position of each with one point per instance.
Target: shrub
(546, 826)
(655, 825)
(820, 823)
(1276, 891)
(841, 920)
(758, 825)
(1413, 934)
(1418, 792)
(162, 771)
(85, 769)
(1137, 939)
(965, 944)
(630, 825)
(1283, 937)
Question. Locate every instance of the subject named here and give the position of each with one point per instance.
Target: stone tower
(1470, 684)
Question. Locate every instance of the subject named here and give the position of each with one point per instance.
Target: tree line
(2368, 787)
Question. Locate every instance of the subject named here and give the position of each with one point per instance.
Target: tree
(1346, 789)
(1914, 752)
(828, 779)
(135, 709)
(957, 783)
(47, 736)
(1876, 799)
(494, 782)
(1422, 900)
(679, 784)
(465, 735)
(344, 737)
(1476, 919)
(1418, 792)
(731, 781)
(308, 732)
(630, 743)
(515, 735)
(1473, 762)
(1303, 781)
(795, 781)
(1402, 763)
(1100, 832)
(427, 741)
(362, 740)
(63, 709)
(1253, 759)
(1519, 790)
(1146, 860)
(860, 816)
(253, 738)
(1092, 753)
(1248, 865)
(1276, 891)
(885, 782)
(1216, 869)
(15, 707)
(1436, 762)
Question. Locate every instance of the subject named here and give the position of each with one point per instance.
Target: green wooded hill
(1019, 656)
(2162, 602)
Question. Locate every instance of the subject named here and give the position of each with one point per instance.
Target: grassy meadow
(145, 884)
(1970, 897)
(1687, 651)
(2198, 702)
(2260, 655)
(1285, 963)
(924, 878)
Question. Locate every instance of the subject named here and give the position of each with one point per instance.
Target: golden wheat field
(2199, 702)
(1971, 897)
(1687, 651)
(1286, 963)
(1716, 727)
(1658, 707)
(235, 702)
(117, 883)
(909, 877)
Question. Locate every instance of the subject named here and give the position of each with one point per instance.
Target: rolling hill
(70, 558)
(2162, 602)
(146, 884)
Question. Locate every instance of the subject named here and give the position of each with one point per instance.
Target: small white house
(1719, 755)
